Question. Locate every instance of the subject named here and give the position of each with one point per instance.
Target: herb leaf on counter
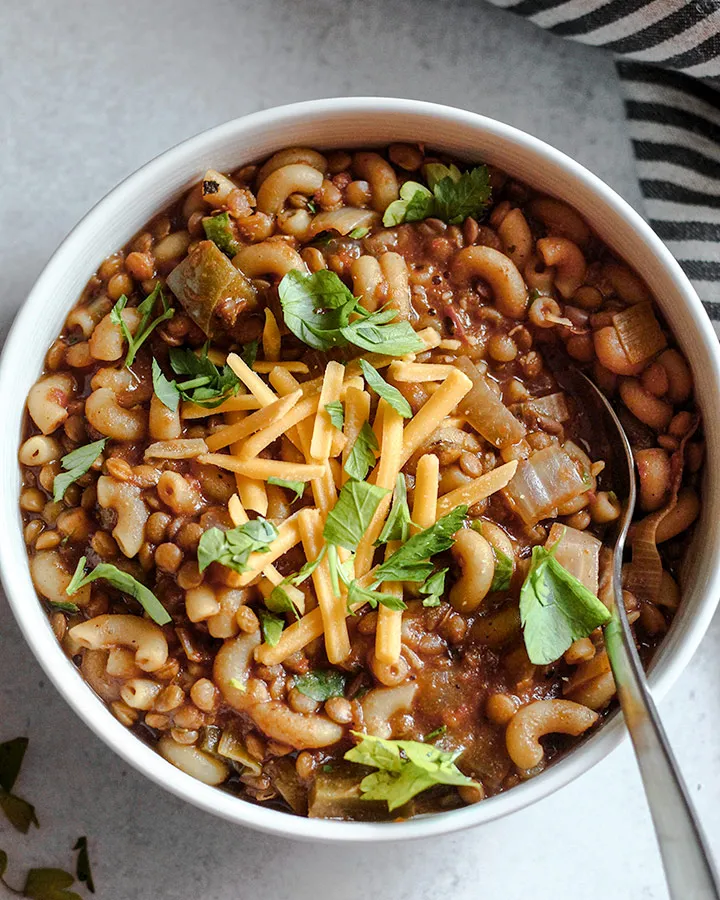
(18, 812)
(82, 869)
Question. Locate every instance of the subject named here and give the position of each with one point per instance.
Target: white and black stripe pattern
(673, 116)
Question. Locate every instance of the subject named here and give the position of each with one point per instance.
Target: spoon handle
(688, 866)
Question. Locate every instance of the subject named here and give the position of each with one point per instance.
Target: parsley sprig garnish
(322, 312)
(147, 323)
(451, 195)
(40, 883)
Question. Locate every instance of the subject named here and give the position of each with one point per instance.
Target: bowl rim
(93, 711)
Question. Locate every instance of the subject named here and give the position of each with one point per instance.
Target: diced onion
(548, 479)
(485, 411)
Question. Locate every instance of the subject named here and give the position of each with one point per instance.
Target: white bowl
(327, 124)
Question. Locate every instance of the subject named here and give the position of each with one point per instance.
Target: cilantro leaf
(218, 229)
(469, 195)
(435, 172)
(316, 306)
(348, 520)
(317, 310)
(82, 869)
(165, 390)
(124, 582)
(434, 588)
(336, 412)
(249, 353)
(435, 734)
(397, 524)
(272, 627)
(503, 571)
(362, 456)
(208, 384)
(279, 601)
(503, 564)
(555, 608)
(147, 323)
(358, 233)
(415, 203)
(406, 768)
(232, 548)
(67, 607)
(76, 464)
(410, 562)
(298, 487)
(375, 598)
(308, 568)
(321, 685)
(389, 393)
(378, 333)
(451, 196)
(49, 884)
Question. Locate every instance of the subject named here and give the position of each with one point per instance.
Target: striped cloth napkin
(668, 60)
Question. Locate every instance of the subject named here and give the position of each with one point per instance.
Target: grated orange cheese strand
(301, 633)
(252, 381)
(321, 441)
(303, 409)
(240, 403)
(265, 366)
(377, 425)
(332, 608)
(424, 512)
(357, 413)
(477, 489)
(385, 474)
(263, 469)
(271, 337)
(263, 418)
(238, 516)
(252, 491)
(431, 338)
(288, 537)
(323, 488)
(415, 373)
(433, 411)
(388, 633)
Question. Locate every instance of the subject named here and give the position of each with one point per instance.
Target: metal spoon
(688, 866)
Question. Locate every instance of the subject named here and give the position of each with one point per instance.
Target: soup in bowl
(309, 504)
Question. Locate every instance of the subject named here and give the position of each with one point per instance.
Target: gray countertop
(88, 92)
